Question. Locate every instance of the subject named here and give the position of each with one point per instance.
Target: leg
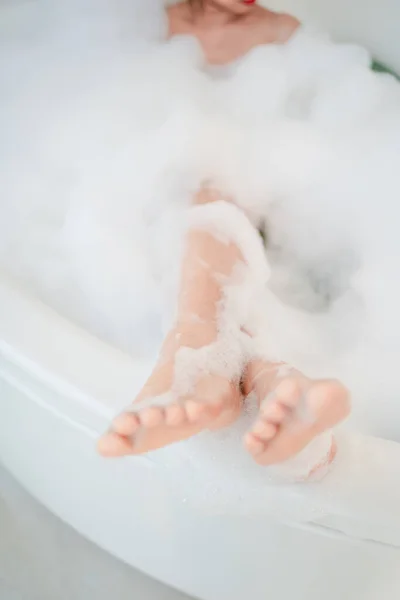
(294, 410)
(193, 386)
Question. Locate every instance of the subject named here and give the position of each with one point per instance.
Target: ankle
(194, 332)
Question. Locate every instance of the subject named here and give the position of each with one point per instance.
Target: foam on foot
(175, 403)
(294, 411)
(139, 429)
(195, 385)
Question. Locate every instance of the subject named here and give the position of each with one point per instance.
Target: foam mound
(108, 130)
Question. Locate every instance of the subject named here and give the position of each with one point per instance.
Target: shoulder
(287, 25)
(278, 27)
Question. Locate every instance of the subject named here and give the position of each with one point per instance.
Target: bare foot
(294, 410)
(193, 386)
(159, 417)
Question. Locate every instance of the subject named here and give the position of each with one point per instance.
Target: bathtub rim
(42, 349)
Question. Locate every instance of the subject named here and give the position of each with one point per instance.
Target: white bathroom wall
(373, 23)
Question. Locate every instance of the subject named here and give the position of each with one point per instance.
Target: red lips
(249, 1)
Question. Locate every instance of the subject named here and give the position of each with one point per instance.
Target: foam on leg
(236, 280)
(196, 382)
(295, 417)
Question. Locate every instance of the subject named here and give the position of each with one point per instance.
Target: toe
(126, 424)
(175, 415)
(274, 412)
(264, 431)
(195, 410)
(253, 444)
(289, 392)
(112, 445)
(151, 417)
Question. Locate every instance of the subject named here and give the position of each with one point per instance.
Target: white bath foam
(228, 223)
(229, 353)
(213, 473)
(102, 120)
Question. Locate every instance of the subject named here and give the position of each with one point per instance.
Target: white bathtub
(59, 385)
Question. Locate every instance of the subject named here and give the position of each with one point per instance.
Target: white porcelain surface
(43, 559)
(58, 386)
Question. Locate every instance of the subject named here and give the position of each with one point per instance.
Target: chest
(225, 44)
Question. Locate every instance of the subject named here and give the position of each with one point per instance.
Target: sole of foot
(294, 413)
(153, 422)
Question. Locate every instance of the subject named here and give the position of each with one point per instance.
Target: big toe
(112, 445)
(329, 399)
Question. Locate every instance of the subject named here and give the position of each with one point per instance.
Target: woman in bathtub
(205, 366)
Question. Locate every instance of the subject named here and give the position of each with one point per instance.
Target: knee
(208, 195)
